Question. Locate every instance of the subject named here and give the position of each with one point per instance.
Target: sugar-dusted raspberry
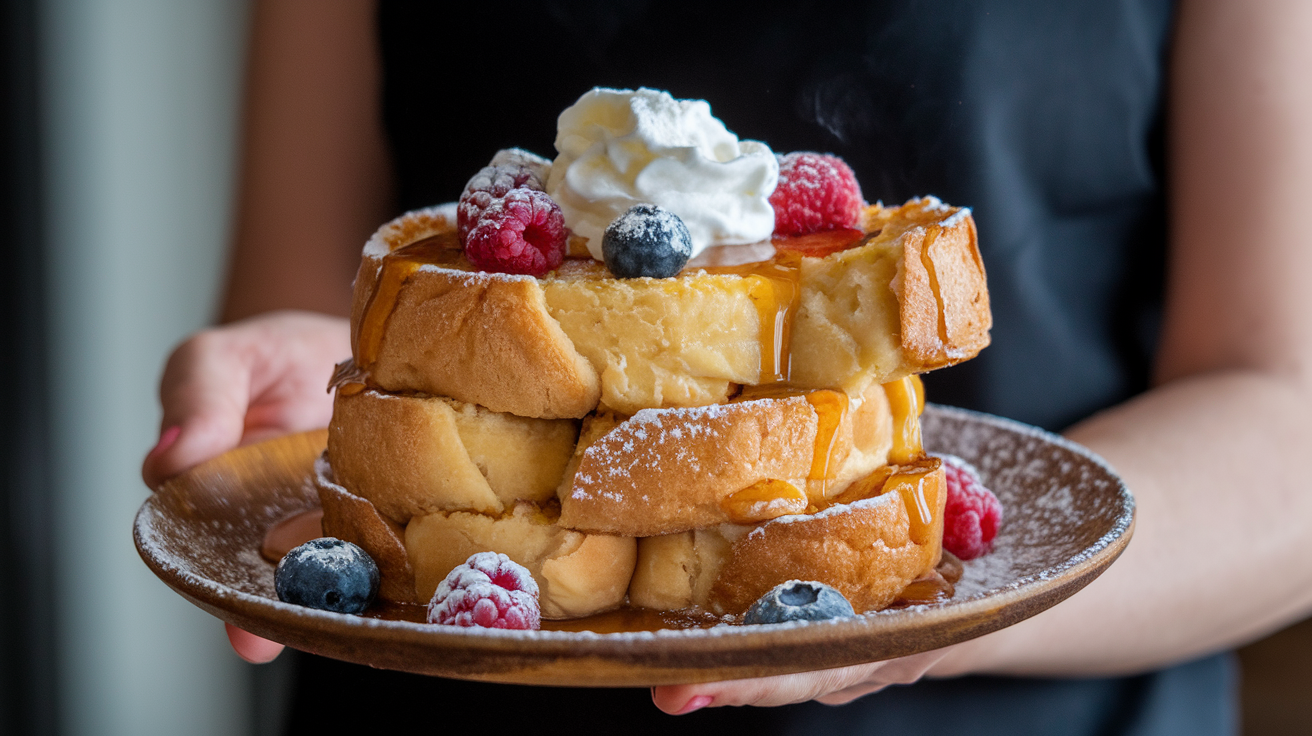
(816, 191)
(489, 590)
(523, 232)
(487, 186)
(518, 157)
(972, 515)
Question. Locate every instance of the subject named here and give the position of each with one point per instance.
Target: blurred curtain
(119, 140)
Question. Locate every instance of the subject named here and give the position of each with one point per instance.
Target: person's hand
(831, 687)
(241, 383)
(250, 647)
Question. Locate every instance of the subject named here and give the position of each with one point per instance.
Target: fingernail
(697, 703)
(166, 439)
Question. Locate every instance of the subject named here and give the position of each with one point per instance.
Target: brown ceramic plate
(1067, 517)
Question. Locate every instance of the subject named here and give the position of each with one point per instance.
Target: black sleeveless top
(1044, 117)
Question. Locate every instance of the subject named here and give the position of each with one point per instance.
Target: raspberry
(489, 590)
(518, 157)
(816, 192)
(487, 186)
(523, 232)
(972, 514)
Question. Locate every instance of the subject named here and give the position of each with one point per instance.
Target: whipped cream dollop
(617, 148)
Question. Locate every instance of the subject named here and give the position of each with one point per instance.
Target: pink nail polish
(166, 439)
(697, 703)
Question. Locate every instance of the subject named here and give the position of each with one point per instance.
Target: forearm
(1217, 558)
(315, 175)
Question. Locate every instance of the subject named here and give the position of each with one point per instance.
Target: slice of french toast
(908, 297)
(661, 471)
(411, 455)
(670, 470)
(869, 548)
(578, 574)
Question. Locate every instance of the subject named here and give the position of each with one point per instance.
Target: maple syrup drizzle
(825, 242)
(910, 483)
(938, 585)
(906, 400)
(928, 589)
(347, 378)
(764, 500)
(442, 249)
(931, 234)
(830, 409)
(776, 291)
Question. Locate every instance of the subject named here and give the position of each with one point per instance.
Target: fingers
(763, 691)
(832, 687)
(252, 648)
(243, 383)
(901, 671)
(204, 392)
(291, 366)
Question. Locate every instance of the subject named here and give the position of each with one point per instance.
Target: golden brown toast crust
(670, 470)
(945, 316)
(480, 339)
(868, 550)
(505, 343)
(412, 455)
(865, 550)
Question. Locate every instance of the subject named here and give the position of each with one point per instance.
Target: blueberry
(646, 241)
(328, 574)
(798, 600)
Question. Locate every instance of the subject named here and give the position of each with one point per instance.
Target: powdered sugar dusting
(649, 223)
(410, 227)
(956, 218)
(835, 510)
(930, 203)
(1048, 487)
(474, 278)
(640, 445)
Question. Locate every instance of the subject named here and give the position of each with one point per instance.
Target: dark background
(27, 643)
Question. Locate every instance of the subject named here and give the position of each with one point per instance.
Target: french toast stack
(684, 442)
